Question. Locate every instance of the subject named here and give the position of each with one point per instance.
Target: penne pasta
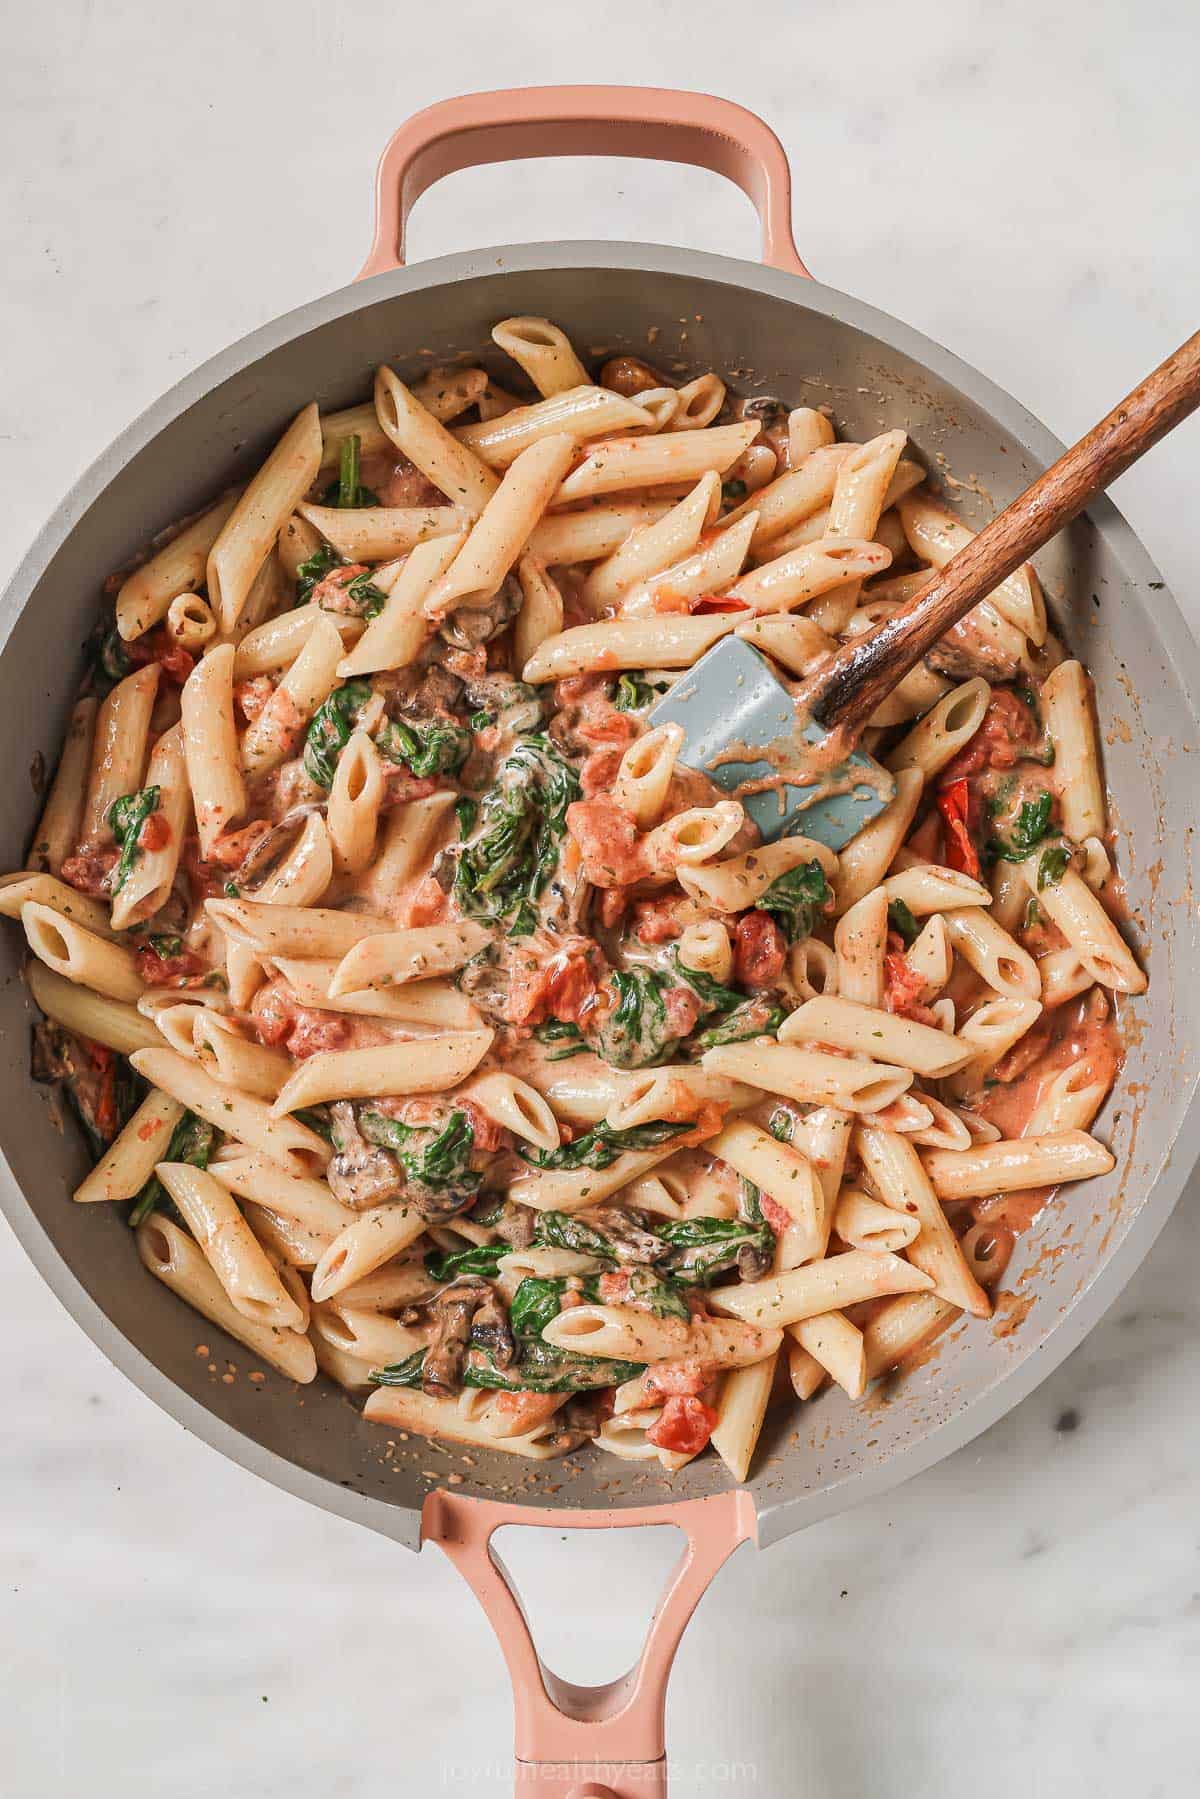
(869, 1031)
(391, 958)
(145, 595)
(1013, 1165)
(60, 826)
(173, 1258)
(282, 1139)
(896, 1172)
(810, 1075)
(625, 462)
(423, 1065)
(826, 1286)
(577, 413)
(451, 466)
(264, 506)
(210, 745)
(128, 1162)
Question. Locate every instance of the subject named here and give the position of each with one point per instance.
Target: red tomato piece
(685, 1425)
(759, 950)
(956, 805)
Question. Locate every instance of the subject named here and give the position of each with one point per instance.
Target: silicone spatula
(732, 705)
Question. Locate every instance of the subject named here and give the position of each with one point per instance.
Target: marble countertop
(1017, 182)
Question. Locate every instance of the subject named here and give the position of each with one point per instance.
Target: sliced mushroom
(465, 1314)
(626, 1230)
(360, 1174)
(469, 626)
(516, 1224)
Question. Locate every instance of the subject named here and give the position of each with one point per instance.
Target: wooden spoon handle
(864, 672)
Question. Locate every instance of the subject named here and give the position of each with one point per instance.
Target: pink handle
(603, 1742)
(518, 122)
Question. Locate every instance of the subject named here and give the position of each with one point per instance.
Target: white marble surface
(1020, 183)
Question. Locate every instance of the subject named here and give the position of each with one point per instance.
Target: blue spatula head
(732, 699)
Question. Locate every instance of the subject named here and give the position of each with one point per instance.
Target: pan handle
(514, 123)
(602, 1742)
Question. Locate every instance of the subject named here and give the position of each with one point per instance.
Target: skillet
(770, 329)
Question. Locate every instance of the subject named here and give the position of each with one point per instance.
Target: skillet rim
(777, 1517)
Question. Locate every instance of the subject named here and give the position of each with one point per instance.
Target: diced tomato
(707, 1121)
(613, 1287)
(614, 903)
(252, 696)
(329, 592)
(425, 905)
(902, 985)
(399, 785)
(599, 771)
(609, 842)
(759, 950)
(1008, 728)
(88, 870)
(655, 921)
(278, 1017)
(956, 805)
(685, 1378)
(685, 1425)
(231, 849)
(156, 646)
(774, 1213)
(720, 603)
(606, 726)
(683, 1009)
(155, 833)
(570, 984)
(168, 971)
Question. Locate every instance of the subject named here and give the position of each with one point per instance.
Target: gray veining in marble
(1020, 183)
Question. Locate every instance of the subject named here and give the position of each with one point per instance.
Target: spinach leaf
(757, 1017)
(317, 1119)
(330, 730)
(360, 598)
(165, 944)
(796, 898)
(634, 692)
(634, 1033)
(314, 569)
(535, 1302)
(559, 1230)
(465, 811)
(782, 1125)
(555, 1030)
(434, 746)
(1053, 865)
(435, 1163)
(126, 817)
(544, 1369)
(400, 1374)
(348, 489)
(715, 997)
(1032, 824)
(110, 663)
(512, 854)
(702, 1248)
(193, 1140)
(481, 1258)
(902, 921)
(599, 1148)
